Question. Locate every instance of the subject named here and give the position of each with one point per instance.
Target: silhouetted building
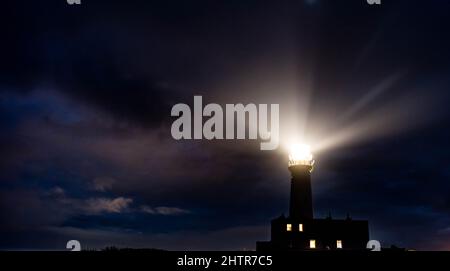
(300, 230)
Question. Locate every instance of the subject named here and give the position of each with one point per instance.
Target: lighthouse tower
(301, 165)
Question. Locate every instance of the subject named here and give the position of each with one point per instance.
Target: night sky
(86, 93)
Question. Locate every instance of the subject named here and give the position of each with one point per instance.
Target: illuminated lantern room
(300, 155)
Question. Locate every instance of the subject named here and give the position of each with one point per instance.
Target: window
(312, 243)
(339, 243)
(300, 227)
(289, 227)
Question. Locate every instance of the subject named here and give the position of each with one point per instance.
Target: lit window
(339, 243)
(312, 243)
(289, 227)
(300, 227)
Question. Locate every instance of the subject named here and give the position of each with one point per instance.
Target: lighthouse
(300, 230)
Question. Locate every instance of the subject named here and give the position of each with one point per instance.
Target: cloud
(104, 205)
(88, 206)
(56, 192)
(25, 209)
(103, 184)
(162, 210)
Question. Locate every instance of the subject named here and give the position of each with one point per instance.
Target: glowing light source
(312, 243)
(339, 244)
(300, 154)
